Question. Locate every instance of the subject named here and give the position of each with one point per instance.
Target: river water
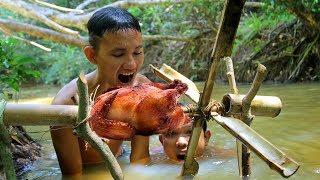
(296, 131)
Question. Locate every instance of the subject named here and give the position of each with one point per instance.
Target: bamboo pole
(230, 75)
(224, 42)
(83, 130)
(169, 74)
(39, 115)
(223, 47)
(5, 147)
(269, 106)
(274, 158)
(234, 90)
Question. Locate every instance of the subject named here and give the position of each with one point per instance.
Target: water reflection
(296, 131)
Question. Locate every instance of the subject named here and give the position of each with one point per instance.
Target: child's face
(120, 57)
(175, 144)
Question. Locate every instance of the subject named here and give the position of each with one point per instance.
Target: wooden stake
(83, 130)
(247, 117)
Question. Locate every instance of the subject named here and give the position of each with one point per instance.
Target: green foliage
(314, 5)
(178, 20)
(14, 68)
(311, 5)
(191, 20)
(64, 63)
(253, 22)
(198, 20)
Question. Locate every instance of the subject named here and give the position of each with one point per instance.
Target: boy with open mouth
(115, 48)
(175, 143)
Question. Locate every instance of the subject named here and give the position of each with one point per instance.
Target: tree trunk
(24, 150)
(308, 14)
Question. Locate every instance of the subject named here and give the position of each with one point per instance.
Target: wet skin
(175, 143)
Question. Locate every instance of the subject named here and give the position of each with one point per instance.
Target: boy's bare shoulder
(141, 79)
(65, 94)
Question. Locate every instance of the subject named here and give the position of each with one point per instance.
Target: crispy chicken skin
(138, 110)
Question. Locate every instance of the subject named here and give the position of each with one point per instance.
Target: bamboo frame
(40, 115)
(222, 48)
(241, 131)
(247, 117)
(35, 114)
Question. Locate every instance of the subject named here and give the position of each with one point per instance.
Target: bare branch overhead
(64, 24)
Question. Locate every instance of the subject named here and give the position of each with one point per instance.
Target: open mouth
(125, 78)
(181, 156)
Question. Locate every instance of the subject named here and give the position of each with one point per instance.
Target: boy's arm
(140, 144)
(65, 143)
(140, 150)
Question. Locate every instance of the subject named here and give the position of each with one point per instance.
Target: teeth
(127, 74)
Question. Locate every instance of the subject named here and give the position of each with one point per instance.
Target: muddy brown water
(296, 131)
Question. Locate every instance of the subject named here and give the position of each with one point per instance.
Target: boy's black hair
(110, 19)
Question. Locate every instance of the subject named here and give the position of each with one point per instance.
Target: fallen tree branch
(171, 38)
(84, 131)
(25, 40)
(43, 33)
(53, 6)
(85, 3)
(52, 35)
(25, 9)
(303, 56)
(59, 21)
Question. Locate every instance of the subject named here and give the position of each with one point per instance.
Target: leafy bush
(14, 69)
(64, 64)
(253, 22)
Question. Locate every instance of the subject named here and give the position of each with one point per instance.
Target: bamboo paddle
(274, 157)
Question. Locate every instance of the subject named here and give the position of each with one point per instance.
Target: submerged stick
(247, 117)
(84, 131)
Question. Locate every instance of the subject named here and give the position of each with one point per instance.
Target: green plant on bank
(64, 64)
(14, 68)
(312, 5)
(195, 21)
(198, 20)
(253, 22)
